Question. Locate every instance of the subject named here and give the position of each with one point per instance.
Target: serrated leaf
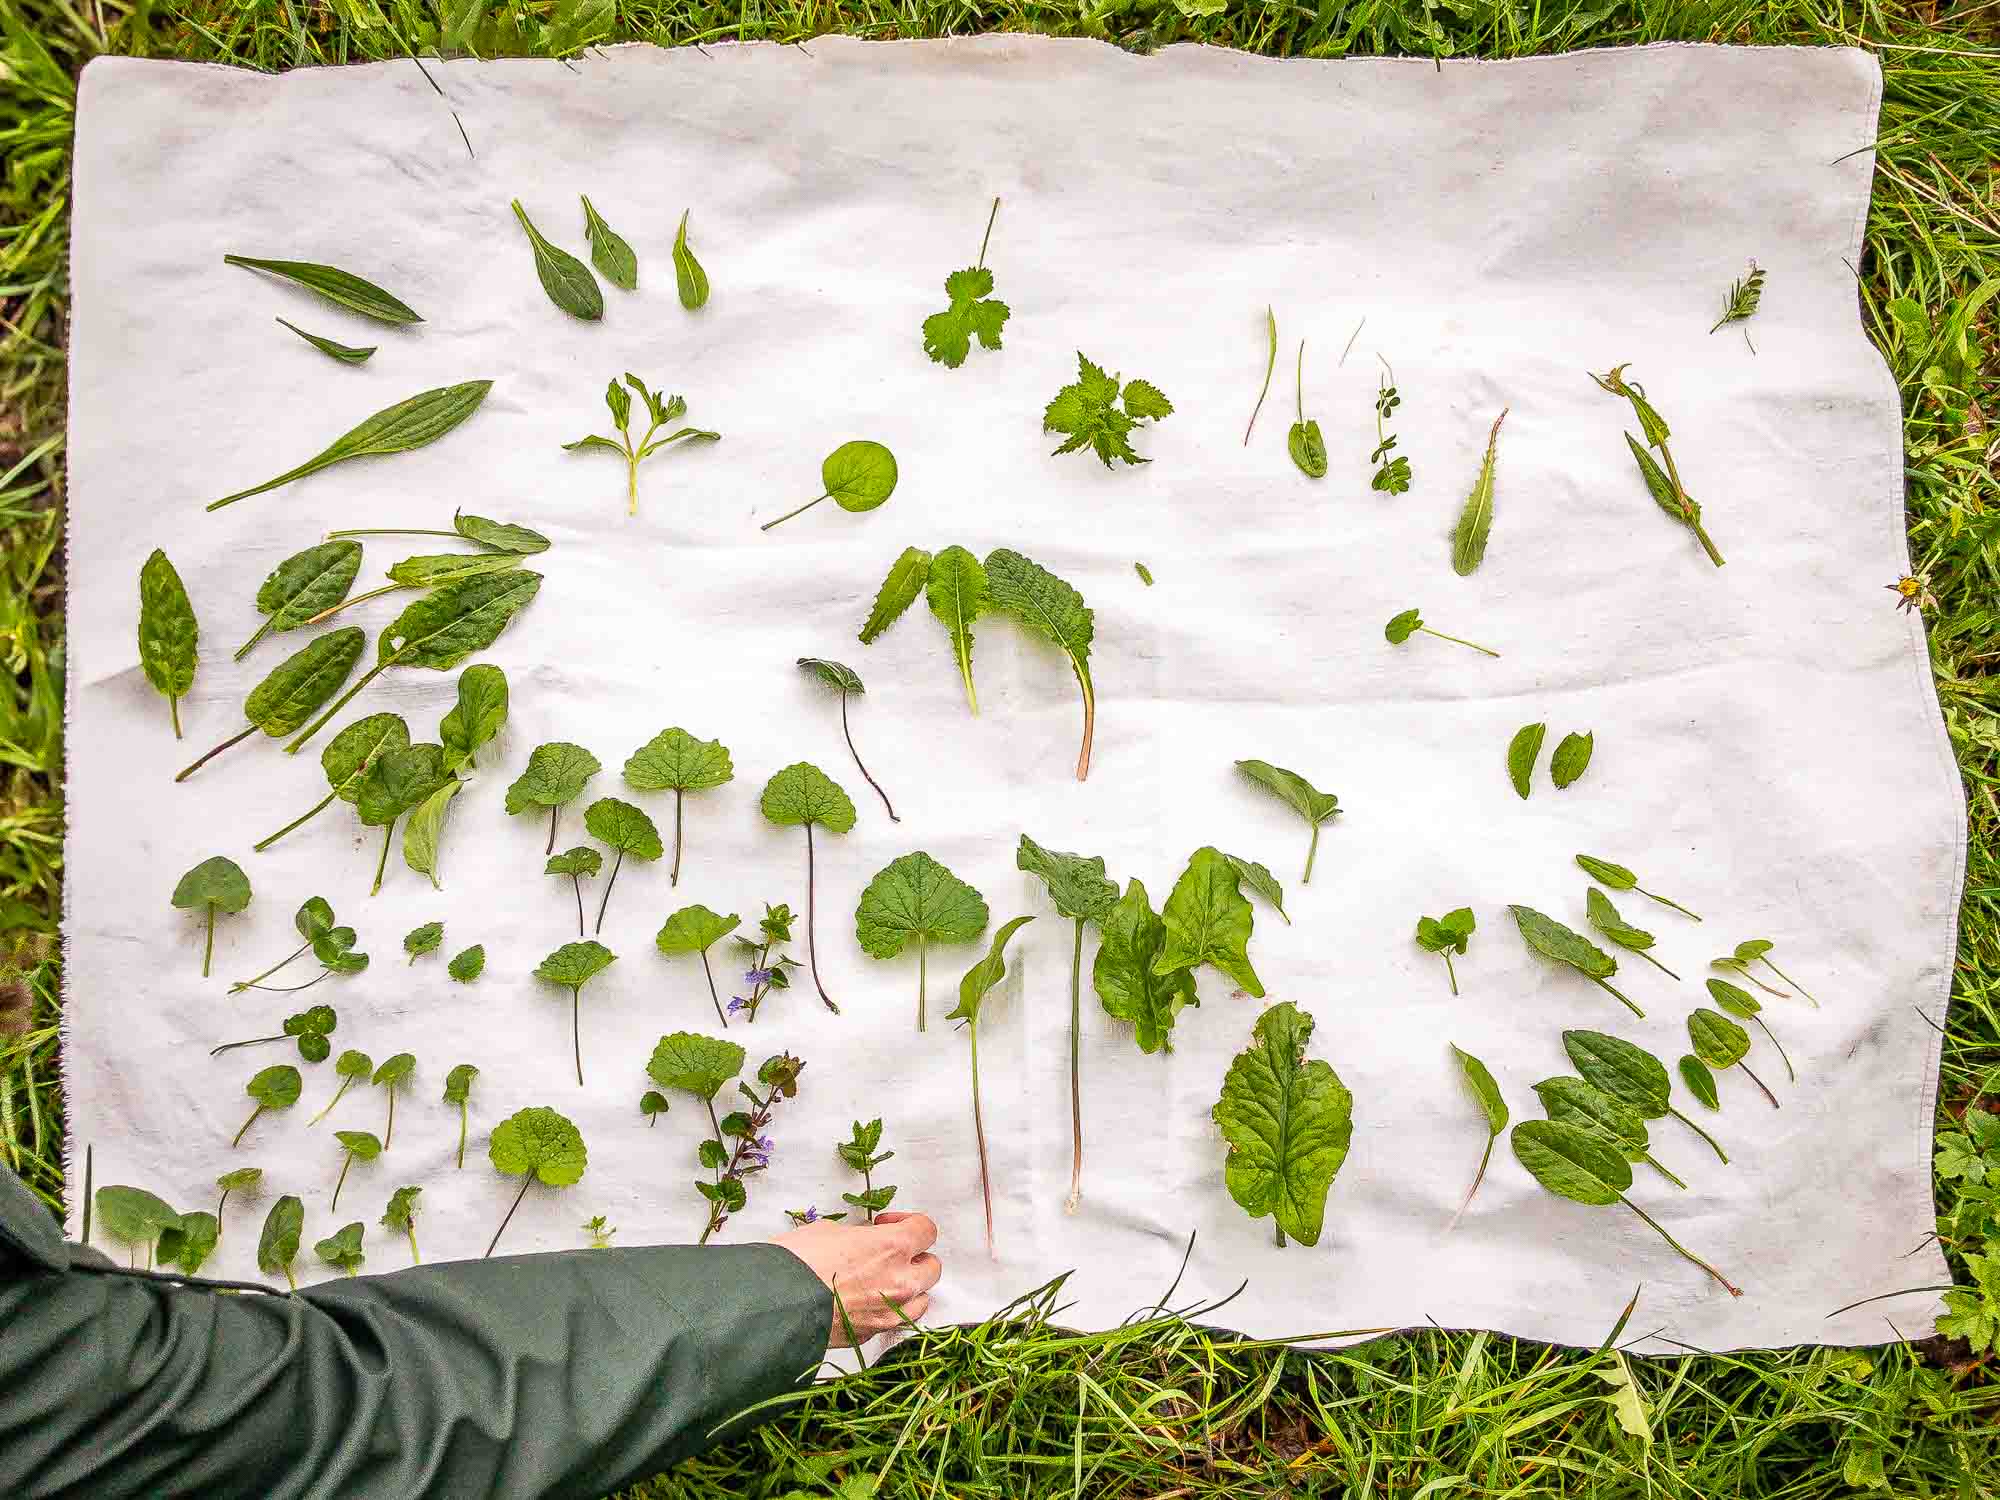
(955, 587)
(555, 776)
(1209, 920)
(575, 964)
(699, 1064)
(541, 1141)
(1132, 939)
(1288, 1123)
(1077, 885)
(914, 899)
(425, 939)
(608, 251)
(906, 578)
(476, 717)
(675, 760)
(1523, 750)
(1050, 608)
(1570, 1162)
(580, 861)
(802, 793)
(619, 825)
(694, 929)
(974, 313)
(1571, 760)
(468, 965)
(1475, 521)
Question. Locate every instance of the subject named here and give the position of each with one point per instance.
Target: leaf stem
(389, 1132)
(923, 976)
(334, 536)
(1788, 980)
(382, 864)
(1657, 964)
(576, 884)
(812, 946)
(576, 1029)
(1457, 642)
(616, 864)
(964, 655)
(461, 1137)
(1299, 380)
(1075, 1072)
(341, 702)
(1450, 972)
(1270, 322)
(857, 765)
(790, 513)
(346, 1162)
(344, 1083)
(526, 1178)
(631, 481)
(174, 711)
(714, 998)
(1312, 853)
(208, 946)
(1089, 719)
(410, 1229)
(238, 1139)
(1622, 1000)
(1648, 1160)
(255, 1041)
(333, 609)
(674, 874)
(1665, 902)
(554, 808)
(980, 264)
(1477, 1177)
(1773, 1098)
(1721, 1155)
(244, 984)
(979, 1134)
(1685, 1253)
(262, 631)
(1687, 505)
(1791, 1075)
(317, 808)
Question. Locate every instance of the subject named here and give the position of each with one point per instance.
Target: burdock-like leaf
(1288, 1123)
(1131, 941)
(914, 899)
(906, 579)
(1551, 939)
(1475, 521)
(412, 423)
(1209, 920)
(1053, 610)
(955, 586)
(1305, 799)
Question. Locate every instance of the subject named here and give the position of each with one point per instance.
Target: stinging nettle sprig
(660, 413)
(1664, 485)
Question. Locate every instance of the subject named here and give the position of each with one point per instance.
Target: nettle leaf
(468, 965)
(1209, 920)
(476, 717)
(836, 675)
(1088, 413)
(623, 827)
(411, 423)
(1315, 806)
(1571, 760)
(914, 899)
(1551, 939)
(694, 929)
(699, 1064)
(1132, 940)
(955, 587)
(341, 288)
(1288, 1123)
(1262, 881)
(1523, 750)
(303, 585)
(168, 633)
(1053, 610)
(421, 940)
(674, 760)
(802, 793)
(1077, 885)
(906, 579)
(538, 1140)
(609, 252)
(566, 279)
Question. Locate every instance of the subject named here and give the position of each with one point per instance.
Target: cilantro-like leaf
(1132, 939)
(1209, 920)
(1087, 411)
(1288, 1123)
(915, 899)
(1053, 610)
(555, 777)
(974, 313)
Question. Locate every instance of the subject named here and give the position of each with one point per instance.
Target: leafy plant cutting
(1310, 803)
(906, 579)
(674, 760)
(1755, 951)
(973, 989)
(565, 279)
(347, 760)
(1475, 521)
(1523, 750)
(1408, 623)
(609, 251)
(397, 782)
(278, 1242)
(1632, 1075)
(690, 280)
(914, 899)
(860, 1154)
(767, 969)
(857, 476)
(217, 884)
(1131, 940)
(1744, 295)
(400, 1217)
(1392, 474)
(341, 288)
(1576, 1101)
(1492, 1104)
(342, 1249)
(659, 413)
(535, 1145)
(1303, 442)
(458, 1094)
(1445, 936)
(955, 588)
(331, 944)
(803, 796)
(1288, 1123)
(556, 775)
(1742, 1004)
(308, 1028)
(1664, 485)
(844, 680)
(572, 966)
(1050, 608)
(1094, 411)
(1209, 921)
(1270, 364)
(974, 311)
(169, 635)
(270, 1088)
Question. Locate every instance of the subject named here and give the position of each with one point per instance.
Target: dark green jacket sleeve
(532, 1375)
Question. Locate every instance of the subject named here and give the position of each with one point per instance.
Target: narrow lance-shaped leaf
(845, 680)
(1270, 364)
(1315, 806)
(674, 760)
(412, 423)
(973, 989)
(536, 1145)
(1605, 918)
(168, 633)
(690, 280)
(1631, 1075)
(1209, 920)
(572, 966)
(1571, 760)
(1575, 1165)
(955, 587)
(303, 585)
(1721, 1043)
(566, 279)
(341, 288)
(1621, 879)
(905, 581)
(1288, 1124)
(1492, 1104)
(1475, 521)
(556, 775)
(1551, 939)
(347, 761)
(1053, 610)
(802, 795)
(294, 690)
(609, 252)
(347, 354)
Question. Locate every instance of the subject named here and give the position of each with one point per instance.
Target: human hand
(869, 1266)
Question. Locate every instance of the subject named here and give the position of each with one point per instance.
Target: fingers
(915, 1232)
(926, 1271)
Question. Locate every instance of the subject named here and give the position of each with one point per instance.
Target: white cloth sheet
(1769, 749)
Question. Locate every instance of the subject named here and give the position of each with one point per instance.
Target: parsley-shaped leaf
(974, 312)
(916, 899)
(1087, 411)
(536, 1145)
(1288, 1123)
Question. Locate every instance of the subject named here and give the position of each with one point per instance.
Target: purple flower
(756, 977)
(763, 1144)
(736, 1003)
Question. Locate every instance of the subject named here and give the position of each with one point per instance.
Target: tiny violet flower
(736, 1003)
(755, 977)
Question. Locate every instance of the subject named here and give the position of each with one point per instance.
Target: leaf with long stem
(1270, 364)
(973, 989)
(412, 423)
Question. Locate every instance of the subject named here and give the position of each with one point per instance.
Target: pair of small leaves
(169, 636)
(1569, 762)
(1288, 1123)
(1089, 413)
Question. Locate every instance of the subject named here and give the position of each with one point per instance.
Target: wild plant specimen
(1744, 295)
(1581, 1167)
(1079, 890)
(556, 776)
(955, 587)
(134, 1217)
(1523, 750)
(860, 1154)
(458, 1092)
(741, 1136)
(1475, 521)
(350, 1067)
(690, 280)
(1050, 608)
(485, 534)
(1604, 917)
(1741, 1003)
(168, 633)
(302, 585)
(309, 1029)
(236, 1180)
(906, 579)
(1288, 1123)
(347, 761)
(271, 1088)
(535, 1144)
(1209, 921)
(1755, 950)
(845, 680)
(355, 1145)
(1129, 986)
(1392, 475)
(576, 863)
(426, 570)
(1491, 1104)
(397, 782)
(674, 760)
(1578, 1102)
(278, 1243)
(294, 690)
(626, 830)
(1406, 624)
(332, 945)
(401, 1217)
(802, 795)
(565, 279)
(216, 884)
(572, 966)
(766, 971)
(1270, 364)
(1631, 1075)
(659, 414)
(1572, 759)
(609, 251)
(391, 1075)
(914, 899)
(1663, 485)
(1303, 442)
(1315, 806)
(347, 354)
(857, 476)
(421, 940)
(1551, 939)
(1621, 879)
(1089, 413)
(973, 989)
(974, 312)
(695, 929)
(342, 288)
(1445, 936)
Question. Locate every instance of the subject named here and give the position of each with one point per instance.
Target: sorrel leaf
(690, 280)
(168, 633)
(1523, 750)
(1571, 760)
(302, 586)
(1315, 806)
(1288, 1123)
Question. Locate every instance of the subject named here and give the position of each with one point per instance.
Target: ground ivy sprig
(751, 1151)
(861, 1156)
(1663, 485)
(1392, 475)
(767, 971)
(660, 414)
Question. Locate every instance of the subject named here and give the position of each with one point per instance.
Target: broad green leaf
(836, 675)
(353, 1064)
(1622, 1069)
(566, 279)
(690, 280)
(217, 883)
(980, 979)
(955, 587)
(1571, 1101)
(859, 475)
(352, 753)
(1570, 1162)
(190, 1241)
(1551, 939)
(1484, 1089)
(468, 965)
(412, 423)
(609, 252)
(694, 929)
(621, 826)
(395, 1070)
(240, 1179)
(421, 940)
(303, 585)
(1453, 931)
(1475, 521)
(362, 1145)
(426, 827)
(699, 1064)
(1734, 999)
(342, 288)
(555, 776)
(347, 354)
(1605, 918)
(1088, 413)
(1293, 789)
(1523, 750)
(133, 1216)
(278, 1244)
(1132, 939)
(574, 964)
(1209, 920)
(275, 1088)
(914, 899)
(1077, 885)
(802, 794)
(1288, 1123)
(1571, 759)
(1717, 1040)
(1402, 626)
(441, 629)
(168, 633)
(541, 1141)
(906, 579)
(458, 1083)
(675, 760)
(580, 861)
(1050, 608)
(397, 782)
(476, 717)
(1262, 881)
(1700, 1081)
(297, 687)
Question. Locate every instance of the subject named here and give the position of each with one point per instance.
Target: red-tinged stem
(812, 948)
(1773, 1098)
(616, 863)
(319, 807)
(1089, 721)
(1722, 1155)
(1477, 1177)
(576, 882)
(234, 739)
(255, 1041)
(857, 765)
(979, 1134)
(1788, 980)
(389, 1133)
(526, 1178)
(1685, 1253)
(553, 809)
(790, 513)
(714, 998)
(1622, 1000)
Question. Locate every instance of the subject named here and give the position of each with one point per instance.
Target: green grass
(1163, 1408)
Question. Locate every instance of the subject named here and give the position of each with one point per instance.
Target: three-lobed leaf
(1288, 1123)
(1475, 521)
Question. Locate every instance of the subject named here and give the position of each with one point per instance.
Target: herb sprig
(635, 452)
